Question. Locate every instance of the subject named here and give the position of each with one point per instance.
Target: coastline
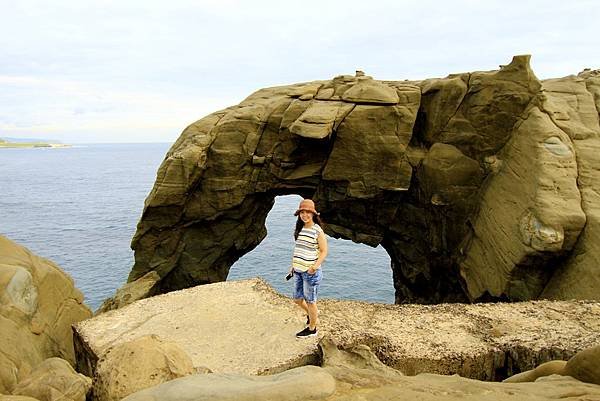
(28, 145)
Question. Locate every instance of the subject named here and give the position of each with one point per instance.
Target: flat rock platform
(247, 327)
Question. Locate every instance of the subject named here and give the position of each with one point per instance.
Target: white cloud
(147, 66)
(93, 107)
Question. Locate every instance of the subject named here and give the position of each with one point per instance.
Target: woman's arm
(322, 241)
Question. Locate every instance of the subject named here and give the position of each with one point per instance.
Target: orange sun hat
(308, 205)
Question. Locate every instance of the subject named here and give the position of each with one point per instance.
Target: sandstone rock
(448, 175)
(234, 327)
(574, 110)
(319, 119)
(585, 366)
(356, 367)
(545, 369)
(54, 380)
(131, 292)
(480, 186)
(376, 133)
(429, 387)
(246, 327)
(138, 364)
(16, 398)
(369, 91)
(525, 221)
(38, 304)
(303, 383)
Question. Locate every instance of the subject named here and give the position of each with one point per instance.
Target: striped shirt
(306, 250)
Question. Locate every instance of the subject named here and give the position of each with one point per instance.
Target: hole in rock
(351, 271)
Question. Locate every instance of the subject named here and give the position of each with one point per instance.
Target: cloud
(55, 105)
(131, 65)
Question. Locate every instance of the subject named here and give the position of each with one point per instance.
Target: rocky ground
(247, 327)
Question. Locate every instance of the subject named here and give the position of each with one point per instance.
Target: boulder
(303, 383)
(138, 364)
(245, 327)
(54, 380)
(585, 366)
(38, 305)
(480, 186)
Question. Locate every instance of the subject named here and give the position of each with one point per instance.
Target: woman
(309, 252)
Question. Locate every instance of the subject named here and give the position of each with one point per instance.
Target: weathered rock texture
(54, 380)
(356, 374)
(361, 376)
(246, 327)
(138, 364)
(584, 366)
(303, 383)
(38, 305)
(480, 185)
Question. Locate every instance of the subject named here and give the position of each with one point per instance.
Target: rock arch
(469, 182)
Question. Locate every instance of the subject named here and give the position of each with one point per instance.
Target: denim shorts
(306, 285)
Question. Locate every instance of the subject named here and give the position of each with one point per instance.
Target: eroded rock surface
(361, 376)
(355, 373)
(480, 186)
(303, 383)
(583, 366)
(138, 364)
(54, 380)
(246, 327)
(38, 305)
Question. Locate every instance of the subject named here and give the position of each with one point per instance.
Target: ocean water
(79, 207)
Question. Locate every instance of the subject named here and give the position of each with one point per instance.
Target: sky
(140, 71)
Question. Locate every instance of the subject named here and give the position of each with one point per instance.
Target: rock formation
(138, 364)
(245, 327)
(357, 374)
(38, 305)
(584, 366)
(480, 186)
(303, 383)
(54, 380)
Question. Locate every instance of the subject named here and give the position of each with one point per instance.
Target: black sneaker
(307, 332)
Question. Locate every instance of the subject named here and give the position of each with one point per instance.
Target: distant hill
(28, 140)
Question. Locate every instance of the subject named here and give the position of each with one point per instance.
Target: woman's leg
(302, 303)
(313, 313)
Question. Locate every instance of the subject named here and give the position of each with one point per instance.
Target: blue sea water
(79, 207)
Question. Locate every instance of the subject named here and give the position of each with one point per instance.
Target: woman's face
(306, 216)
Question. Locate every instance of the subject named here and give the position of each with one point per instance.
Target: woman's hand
(312, 270)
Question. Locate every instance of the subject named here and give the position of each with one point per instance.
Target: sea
(79, 207)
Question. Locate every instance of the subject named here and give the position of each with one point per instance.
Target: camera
(289, 276)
